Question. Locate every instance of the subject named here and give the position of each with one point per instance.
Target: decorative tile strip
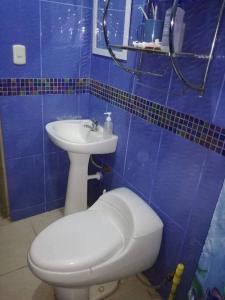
(42, 86)
(198, 131)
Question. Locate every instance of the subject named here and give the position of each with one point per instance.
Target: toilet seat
(76, 243)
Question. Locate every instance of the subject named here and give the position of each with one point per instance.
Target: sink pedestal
(76, 194)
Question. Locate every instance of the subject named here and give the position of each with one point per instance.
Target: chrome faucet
(93, 126)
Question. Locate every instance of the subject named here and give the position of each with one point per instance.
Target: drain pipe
(97, 176)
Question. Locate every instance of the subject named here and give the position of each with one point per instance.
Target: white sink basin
(73, 136)
(77, 138)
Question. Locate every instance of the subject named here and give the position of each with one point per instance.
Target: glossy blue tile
(20, 22)
(86, 42)
(18, 214)
(22, 125)
(88, 3)
(171, 243)
(121, 121)
(159, 67)
(120, 79)
(100, 68)
(111, 181)
(83, 106)
(97, 108)
(189, 102)
(209, 189)
(220, 110)
(199, 34)
(154, 94)
(73, 2)
(25, 182)
(61, 47)
(57, 107)
(141, 155)
(177, 174)
(189, 256)
(56, 175)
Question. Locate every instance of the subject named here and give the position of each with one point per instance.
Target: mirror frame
(104, 52)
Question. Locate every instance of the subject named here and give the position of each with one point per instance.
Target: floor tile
(22, 285)
(41, 221)
(132, 288)
(15, 240)
(4, 221)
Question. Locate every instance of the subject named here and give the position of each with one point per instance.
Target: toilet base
(71, 294)
(95, 292)
(100, 291)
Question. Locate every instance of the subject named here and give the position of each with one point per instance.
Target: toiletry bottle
(108, 126)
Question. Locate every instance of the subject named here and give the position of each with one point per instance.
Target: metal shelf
(171, 54)
(163, 53)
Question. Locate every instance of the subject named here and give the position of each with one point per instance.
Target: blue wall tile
(97, 108)
(121, 122)
(20, 24)
(171, 243)
(177, 176)
(56, 175)
(61, 27)
(18, 214)
(66, 33)
(72, 2)
(100, 68)
(141, 155)
(83, 105)
(189, 256)
(22, 125)
(211, 181)
(86, 42)
(25, 182)
(56, 107)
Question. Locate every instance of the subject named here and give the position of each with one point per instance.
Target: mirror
(118, 25)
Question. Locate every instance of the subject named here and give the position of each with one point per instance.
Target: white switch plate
(19, 54)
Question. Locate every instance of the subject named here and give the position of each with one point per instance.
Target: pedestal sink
(77, 138)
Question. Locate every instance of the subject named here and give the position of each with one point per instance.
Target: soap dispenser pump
(108, 126)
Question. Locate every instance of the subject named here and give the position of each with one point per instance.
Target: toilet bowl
(120, 235)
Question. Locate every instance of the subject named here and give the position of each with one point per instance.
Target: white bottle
(108, 126)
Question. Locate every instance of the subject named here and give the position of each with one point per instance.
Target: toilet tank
(143, 218)
(141, 228)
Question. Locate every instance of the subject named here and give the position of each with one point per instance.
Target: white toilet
(120, 235)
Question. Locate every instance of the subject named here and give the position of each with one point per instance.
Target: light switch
(19, 54)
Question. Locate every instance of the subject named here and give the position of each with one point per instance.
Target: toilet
(120, 235)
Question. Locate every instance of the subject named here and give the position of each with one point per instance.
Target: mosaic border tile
(42, 86)
(196, 130)
(193, 129)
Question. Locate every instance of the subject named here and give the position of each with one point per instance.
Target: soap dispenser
(108, 126)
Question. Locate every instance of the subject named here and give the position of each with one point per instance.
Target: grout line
(192, 204)
(62, 3)
(17, 269)
(127, 144)
(219, 98)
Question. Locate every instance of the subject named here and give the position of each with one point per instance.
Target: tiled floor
(16, 280)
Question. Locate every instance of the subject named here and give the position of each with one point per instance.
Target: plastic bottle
(108, 126)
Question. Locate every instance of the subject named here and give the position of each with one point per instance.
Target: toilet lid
(76, 242)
